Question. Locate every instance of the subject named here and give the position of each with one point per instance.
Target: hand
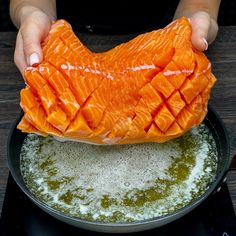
(33, 30)
(204, 30)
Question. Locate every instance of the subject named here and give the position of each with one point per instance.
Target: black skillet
(213, 122)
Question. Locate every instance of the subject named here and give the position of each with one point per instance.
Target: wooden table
(222, 54)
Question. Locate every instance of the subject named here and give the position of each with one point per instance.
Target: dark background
(227, 14)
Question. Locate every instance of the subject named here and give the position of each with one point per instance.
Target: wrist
(22, 12)
(189, 7)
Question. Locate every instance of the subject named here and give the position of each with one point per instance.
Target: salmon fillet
(151, 89)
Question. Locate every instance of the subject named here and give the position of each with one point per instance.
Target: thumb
(201, 23)
(32, 36)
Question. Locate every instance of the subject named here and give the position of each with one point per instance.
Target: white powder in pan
(119, 183)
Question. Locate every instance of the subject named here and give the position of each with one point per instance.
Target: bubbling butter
(121, 183)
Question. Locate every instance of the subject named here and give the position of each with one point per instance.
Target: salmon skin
(151, 89)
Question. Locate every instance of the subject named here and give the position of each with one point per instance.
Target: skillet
(212, 121)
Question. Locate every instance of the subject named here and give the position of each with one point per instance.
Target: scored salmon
(151, 89)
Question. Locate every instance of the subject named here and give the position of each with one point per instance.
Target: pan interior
(119, 183)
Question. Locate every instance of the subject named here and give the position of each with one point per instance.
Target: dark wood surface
(222, 54)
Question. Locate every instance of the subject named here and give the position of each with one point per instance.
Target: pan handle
(232, 167)
(233, 164)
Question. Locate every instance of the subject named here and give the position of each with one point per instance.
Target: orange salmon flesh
(151, 89)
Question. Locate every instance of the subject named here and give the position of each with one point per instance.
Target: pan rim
(175, 215)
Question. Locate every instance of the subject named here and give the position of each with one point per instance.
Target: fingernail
(206, 43)
(33, 59)
(189, 19)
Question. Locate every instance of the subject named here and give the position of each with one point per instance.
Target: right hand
(33, 30)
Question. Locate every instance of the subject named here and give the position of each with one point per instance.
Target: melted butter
(119, 183)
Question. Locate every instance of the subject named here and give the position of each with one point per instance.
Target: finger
(32, 35)
(200, 23)
(19, 55)
(212, 31)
